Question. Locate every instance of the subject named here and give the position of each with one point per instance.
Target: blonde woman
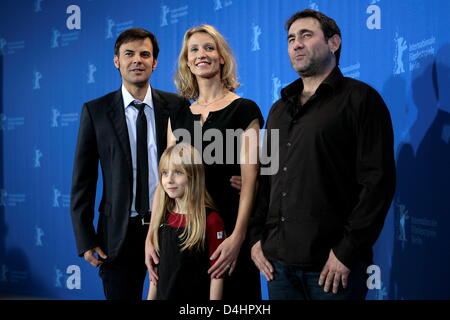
(185, 229)
(207, 74)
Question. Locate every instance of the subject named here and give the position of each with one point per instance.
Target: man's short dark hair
(136, 34)
(328, 25)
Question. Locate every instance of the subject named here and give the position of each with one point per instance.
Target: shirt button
(285, 169)
(283, 219)
(284, 194)
(288, 144)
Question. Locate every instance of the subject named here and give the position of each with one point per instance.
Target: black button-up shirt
(336, 176)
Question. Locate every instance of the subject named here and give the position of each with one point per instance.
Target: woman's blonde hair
(186, 82)
(185, 158)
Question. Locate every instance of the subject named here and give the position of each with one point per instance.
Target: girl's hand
(227, 252)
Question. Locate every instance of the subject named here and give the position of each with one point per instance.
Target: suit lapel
(117, 114)
(161, 117)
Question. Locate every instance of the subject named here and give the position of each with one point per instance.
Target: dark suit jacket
(103, 135)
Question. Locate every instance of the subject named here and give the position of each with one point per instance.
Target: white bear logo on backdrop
(276, 86)
(313, 5)
(58, 276)
(112, 28)
(56, 196)
(55, 37)
(39, 234)
(37, 78)
(37, 158)
(58, 119)
(171, 15)
(37, 6)
(55, 117)
(90, 76)
(218, 4)
(109, 26)
(400, 48)
(256, 34)
(164, 12)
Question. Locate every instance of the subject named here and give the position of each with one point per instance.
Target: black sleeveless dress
(183, 275)
(244, 283)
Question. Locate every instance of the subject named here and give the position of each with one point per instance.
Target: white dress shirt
(131, 113)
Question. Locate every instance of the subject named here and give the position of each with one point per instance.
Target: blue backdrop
(55, 55)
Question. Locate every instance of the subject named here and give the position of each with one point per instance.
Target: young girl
(186, 231)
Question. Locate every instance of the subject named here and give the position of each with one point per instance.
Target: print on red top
(215, 229)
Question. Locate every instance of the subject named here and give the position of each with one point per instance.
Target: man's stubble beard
(316, 66)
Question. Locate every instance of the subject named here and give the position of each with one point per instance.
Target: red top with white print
(215, 229)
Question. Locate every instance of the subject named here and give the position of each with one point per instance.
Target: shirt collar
(128, 98)
(331, 82)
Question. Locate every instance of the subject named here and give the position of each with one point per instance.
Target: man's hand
(92, 255)
(236, 182)
(333, 273)
(261, 262)
(151, 260)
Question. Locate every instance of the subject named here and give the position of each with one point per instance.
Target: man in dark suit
(126, 131)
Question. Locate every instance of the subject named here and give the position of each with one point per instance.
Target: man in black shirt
(317, 218)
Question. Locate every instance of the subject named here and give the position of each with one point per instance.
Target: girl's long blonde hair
(186, 159)
(186, 82)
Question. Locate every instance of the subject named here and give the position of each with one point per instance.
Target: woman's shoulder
(247, 110)
(182, 109)
(246, 102)
(179, 116)
(241, 102)
(246, 105)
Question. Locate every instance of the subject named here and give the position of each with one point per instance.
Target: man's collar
(332, 81)
(128, 98)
